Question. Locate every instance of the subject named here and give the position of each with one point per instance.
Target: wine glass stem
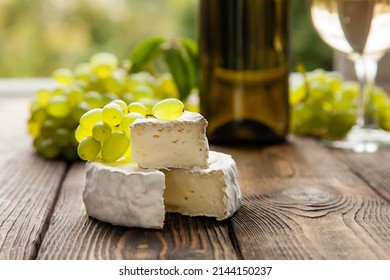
(366, 69)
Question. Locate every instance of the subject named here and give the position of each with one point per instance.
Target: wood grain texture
(303, 203)
(73, 235)
(28, 185)
(372, 168)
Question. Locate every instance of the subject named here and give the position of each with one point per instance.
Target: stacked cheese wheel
(173, 171)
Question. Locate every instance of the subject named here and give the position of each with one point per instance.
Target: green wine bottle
(244, 67)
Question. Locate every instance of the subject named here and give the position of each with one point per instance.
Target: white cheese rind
(213, 191)
(170, 144)
(125, 195)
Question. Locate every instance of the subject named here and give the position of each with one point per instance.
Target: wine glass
(361, 30)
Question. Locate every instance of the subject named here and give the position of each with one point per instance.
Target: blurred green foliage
(37, 37)
(307, 47)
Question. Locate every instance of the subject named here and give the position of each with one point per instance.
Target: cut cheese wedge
(170, 144)
(213, 191)
(125, 195)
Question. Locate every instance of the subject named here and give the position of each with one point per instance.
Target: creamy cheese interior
(212, 192)
(194, 194)
(163, 144)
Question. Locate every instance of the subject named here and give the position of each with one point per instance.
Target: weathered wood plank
(28, 185)
(73, 235)
(303, 203)
(373, 168)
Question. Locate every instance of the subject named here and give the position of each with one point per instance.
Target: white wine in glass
(361, 30)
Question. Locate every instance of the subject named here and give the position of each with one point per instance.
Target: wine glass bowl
(361, 30)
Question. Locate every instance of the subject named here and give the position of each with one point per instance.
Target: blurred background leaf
(37, 37)
(307, 47)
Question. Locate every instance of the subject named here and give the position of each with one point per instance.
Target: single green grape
(82, 85)
(58, 106)
(341, 105)
(122, 104)
(116, 82)
(37, 142)
(62, 136)
(383, 116)
(112, 114)
(34, 105)
(81, 133)
(318, 75)
(75, 96)
(49, 149)
(334, 80)
(349, 91)
(102, 64)
(43, 96)
(80, 109)
(88, 148)
(96, 84)
(58, 91)
(128, 120)
(48, 128)
(300, 115)
(319, 119)
(137, 107)
(94, 99)
(167, 86)
(59, 122)
(101, 131)
(91, 117)
(113, 85)
(34, 128)
(143, 91)
(63, 76)
(297, 94)
(38, 114)
(139, 79)
(83, 72)
(378, 97)
(128, 97)
(319, 91)
(340, 124)
(115, 146)
(109, 97)
(168, 109)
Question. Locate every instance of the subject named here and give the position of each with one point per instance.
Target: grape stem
(301, 69)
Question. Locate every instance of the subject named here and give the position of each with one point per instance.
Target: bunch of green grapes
(104, 134)
(55, 114)
(380, 107)
(324, 105)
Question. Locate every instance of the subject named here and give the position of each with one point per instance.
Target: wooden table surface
(301, 201)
